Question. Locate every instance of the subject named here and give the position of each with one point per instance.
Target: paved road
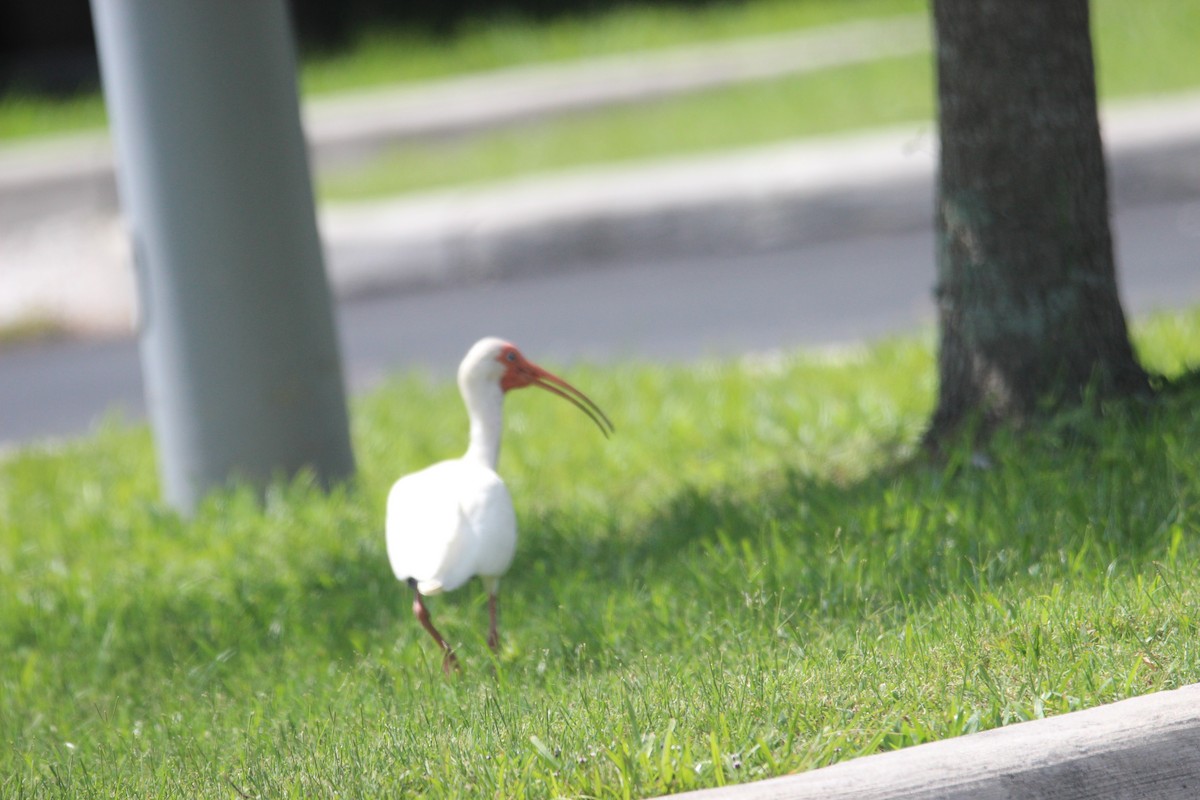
(664, 310)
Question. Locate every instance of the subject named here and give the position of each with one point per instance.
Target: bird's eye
(510, 355)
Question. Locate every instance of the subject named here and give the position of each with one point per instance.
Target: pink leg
(449, 661)
(493, 633)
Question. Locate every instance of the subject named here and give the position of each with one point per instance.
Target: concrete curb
(747, 201)
(766, 198)
(1146, 747)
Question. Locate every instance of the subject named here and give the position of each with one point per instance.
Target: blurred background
(47, 47)
(595, 179)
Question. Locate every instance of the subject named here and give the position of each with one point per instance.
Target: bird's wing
(427, 532)
(493, 522)
(449, 522)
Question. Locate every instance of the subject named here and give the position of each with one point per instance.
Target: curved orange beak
(522, 372)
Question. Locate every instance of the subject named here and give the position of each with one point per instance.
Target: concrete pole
(239, 352)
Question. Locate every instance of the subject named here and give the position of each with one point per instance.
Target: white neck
(485, 407)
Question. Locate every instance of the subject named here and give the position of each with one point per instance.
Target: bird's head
(496, 361)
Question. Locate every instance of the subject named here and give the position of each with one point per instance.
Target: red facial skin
(520, 372)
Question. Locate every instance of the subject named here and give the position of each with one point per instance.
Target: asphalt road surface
(666, 310)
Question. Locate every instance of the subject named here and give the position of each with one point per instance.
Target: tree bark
(1030, 320)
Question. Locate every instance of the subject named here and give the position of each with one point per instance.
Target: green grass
(26, 117)
(749, 579)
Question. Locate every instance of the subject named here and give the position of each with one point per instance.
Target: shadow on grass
(1077, 496)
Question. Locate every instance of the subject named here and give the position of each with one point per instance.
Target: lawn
(752, 578)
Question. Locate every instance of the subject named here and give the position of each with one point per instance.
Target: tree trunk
(1027, 298)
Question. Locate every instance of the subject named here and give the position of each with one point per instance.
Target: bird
(455, 519)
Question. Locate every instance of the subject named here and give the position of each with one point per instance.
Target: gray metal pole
(242, 373)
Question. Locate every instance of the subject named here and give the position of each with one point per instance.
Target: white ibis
(454, 520)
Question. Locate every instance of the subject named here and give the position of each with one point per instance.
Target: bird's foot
(450, 664)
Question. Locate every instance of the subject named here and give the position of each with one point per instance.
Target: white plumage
(454, 520)
(450, 522)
